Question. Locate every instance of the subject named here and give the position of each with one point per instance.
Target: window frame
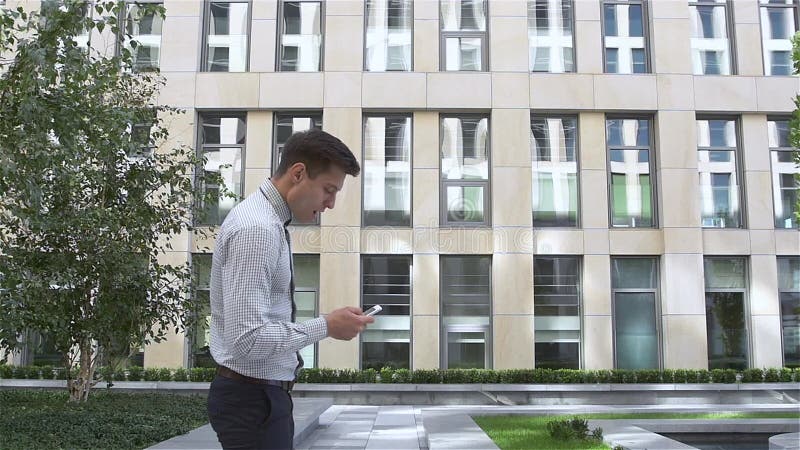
(483, 35)
(581, 333)
(738, 160)
(730, 28)
(573, 22)
(659, 316)
(486, 184)
(280, 31)
(772, 172)
(645, 32)
(394, 115)
(795, 6)
(488, 330)
(200, 150)
(207, 27)
(410, 258)
(364, 40)
(748, 328)
(189, 336)
(122, 18)
(780, 291)
(578, 205)
(653, 166)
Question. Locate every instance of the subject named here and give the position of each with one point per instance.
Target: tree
(88, 191)
(794, 122)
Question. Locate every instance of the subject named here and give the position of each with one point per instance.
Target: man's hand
(345, 323)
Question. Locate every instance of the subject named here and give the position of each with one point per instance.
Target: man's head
(312, 171)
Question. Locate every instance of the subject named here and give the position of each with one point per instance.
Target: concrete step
(306, 420)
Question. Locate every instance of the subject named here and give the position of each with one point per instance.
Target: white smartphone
(374, 310)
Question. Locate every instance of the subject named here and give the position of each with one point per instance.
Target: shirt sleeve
(251, 261)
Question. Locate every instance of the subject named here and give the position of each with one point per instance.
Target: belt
(228, 373)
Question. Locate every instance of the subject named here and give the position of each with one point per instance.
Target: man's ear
(297, 172)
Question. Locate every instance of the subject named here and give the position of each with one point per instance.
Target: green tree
(794, 122)
(89, 188)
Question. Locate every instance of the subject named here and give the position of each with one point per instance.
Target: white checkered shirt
(251, 300)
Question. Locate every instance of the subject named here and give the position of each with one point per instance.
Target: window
(711, 53)
(386, 281)
(630, 165)
(463, 35)
(785, 185)
(466, 312)
(300, 36)
(222, 142)
(789, 292)
(465, 170)
(389, 35)
(720, 194)
(726, 287)
(557, 312)
(634, 284)
(226, 35)
(387, 171)
(306, 297)
(555, 171)
(778, 25)
(145, 28)
(624, 37)
(200, 334)
(286, 124)
(550, 36)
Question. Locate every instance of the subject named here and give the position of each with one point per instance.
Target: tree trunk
(80, 386)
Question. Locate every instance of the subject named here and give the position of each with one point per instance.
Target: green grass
(44, 419)
(530, 432)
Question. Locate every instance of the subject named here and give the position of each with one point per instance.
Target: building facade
(546, 183)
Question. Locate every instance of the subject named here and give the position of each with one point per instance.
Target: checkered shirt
(252, 329)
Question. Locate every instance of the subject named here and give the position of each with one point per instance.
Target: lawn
(530, 432)
(43, 419)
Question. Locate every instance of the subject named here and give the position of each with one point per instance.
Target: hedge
(436, 376)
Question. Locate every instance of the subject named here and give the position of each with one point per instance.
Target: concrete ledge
(306, 420)
(788, 441)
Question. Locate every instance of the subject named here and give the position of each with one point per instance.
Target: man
(253, 335)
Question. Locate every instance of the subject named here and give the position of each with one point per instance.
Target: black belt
(228, 373)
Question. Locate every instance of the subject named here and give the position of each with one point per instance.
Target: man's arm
(250, 264)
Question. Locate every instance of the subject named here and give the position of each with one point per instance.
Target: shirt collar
(278, 202)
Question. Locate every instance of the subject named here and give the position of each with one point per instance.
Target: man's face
(310, 197)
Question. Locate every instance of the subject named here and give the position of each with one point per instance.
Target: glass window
(222, 142)
(557, 312)
(466, 312)
(227, 32)
(555, 171)
(550, 36)
(306, 297)
(720, 191)
(463, 35)
(200, 334)
(789, 291)
(630, 165)
(785, 184)
(465, 170)
(634, 284)
(711, 54)
(386, 281)
(145, 28)
(726, 287)
(389, 35)
(778, 25)
(624, 37)
(300, 34)
(387, 171)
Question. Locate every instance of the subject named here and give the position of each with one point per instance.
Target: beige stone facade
(509, 93)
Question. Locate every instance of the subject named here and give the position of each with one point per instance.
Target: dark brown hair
(317, 150)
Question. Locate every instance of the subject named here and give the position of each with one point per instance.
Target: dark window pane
(636, 339)
(635, 20)
(557, 355)
(727, 335)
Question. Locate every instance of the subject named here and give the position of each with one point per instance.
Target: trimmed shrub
(575, 428)
(164, 375)
(6, 371)
(402, 376)
(150, 374)
(753, 376)
(703, 376)
(135, 373)
(427, 376)
(772, 375)
(387, 375)
(648, 376)
(195, 374)
(180, 375)
(786, 375)
(723, 376)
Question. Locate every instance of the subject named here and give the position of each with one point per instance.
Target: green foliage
(723, 376)
(575, 428)
(135, 373)
(151, 374)
(180, 375)
(44, 419)
(164, 375)
(785, 375)
(794, 122)
(752, 376)
(91, 184)
(772, 375)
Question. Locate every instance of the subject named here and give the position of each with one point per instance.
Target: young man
(254, 337)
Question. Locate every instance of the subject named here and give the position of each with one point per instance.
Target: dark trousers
(250, 416)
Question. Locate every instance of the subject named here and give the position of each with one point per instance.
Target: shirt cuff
(317, 328)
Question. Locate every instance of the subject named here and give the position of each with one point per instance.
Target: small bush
(703, 376)
(386, 375)
(648, 376)
(723, 376)
(575, 428)
(135, 373)
(426, 376)
(164, 375)
(753, 376)
(402, 376)
(785, 375)
(180, 375)
(6, 371)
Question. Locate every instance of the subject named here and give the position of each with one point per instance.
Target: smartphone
(374, 310)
